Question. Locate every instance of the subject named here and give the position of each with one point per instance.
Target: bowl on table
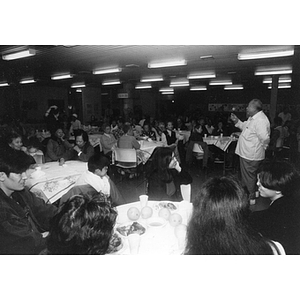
(156, 222)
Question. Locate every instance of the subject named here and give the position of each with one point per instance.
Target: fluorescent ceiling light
(61, 76)
(234, 87)
(206, 57)
(3, 84)
(220, 82)
(166, 90)
(266, 54)
(282, 86)
(143, 86)
(78, 85)
(167, 93)
(107, 71)
(198, 88)
(201, 75)
(20, 54)
(111, 82)
(281, 79)
(179, 84)
(79, 90)
(27, 81)
(164, 64)
(151, 79)
(273, 70)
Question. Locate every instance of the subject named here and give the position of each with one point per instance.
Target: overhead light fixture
(111, 82)
(198, 88)
(4, 84)
(179, 82)
(220, 82)
(27, 81)
(78, 85)
(143, 86)
(165, 64)
(61, 76)
(266, 54)
(167, 93)
(274, 70)
(282, 79)
(152, 79)
(19, 54)
(166, 89)
(281, 86)
(206, 57)
(202, 75)
(79, 90)
(234, 87)
(107, 71)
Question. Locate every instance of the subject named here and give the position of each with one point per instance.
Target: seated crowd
(83, 220)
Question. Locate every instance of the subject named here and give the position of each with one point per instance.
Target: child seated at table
(96, 180)
(83, 225)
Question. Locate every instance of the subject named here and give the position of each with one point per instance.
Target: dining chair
(126, 159)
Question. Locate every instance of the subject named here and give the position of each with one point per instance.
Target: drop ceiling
(81, 60)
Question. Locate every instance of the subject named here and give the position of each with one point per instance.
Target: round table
(155, 241)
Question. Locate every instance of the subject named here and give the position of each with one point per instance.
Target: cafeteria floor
(132, 188)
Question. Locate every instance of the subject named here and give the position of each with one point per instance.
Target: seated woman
(165, 176)
(107, 140)
(83, 150)
(127, 140)
(82, 226)
(218, 224)
(96, 180)
(57, 146)
(148, 132)
(13, 140)
(279, 181)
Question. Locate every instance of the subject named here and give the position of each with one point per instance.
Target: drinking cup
(143, 200)
(134, 241)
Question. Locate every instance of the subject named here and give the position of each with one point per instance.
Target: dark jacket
(170, 139)
(87, 152)
(56, 149)
(22, 220)
(281, 223)
(157, 188)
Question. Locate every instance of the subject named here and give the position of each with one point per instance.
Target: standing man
(252, 143)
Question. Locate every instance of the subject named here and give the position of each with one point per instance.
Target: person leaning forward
(23, 216)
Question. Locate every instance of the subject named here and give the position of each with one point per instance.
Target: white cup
(134, 241)
(205, 135)
(143, 200)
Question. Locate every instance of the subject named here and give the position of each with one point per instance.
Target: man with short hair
(252, 143)
(23, 216)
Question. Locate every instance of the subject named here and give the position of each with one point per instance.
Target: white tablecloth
(158, 241)
(146, 149)
(220, 142)
(53, 181)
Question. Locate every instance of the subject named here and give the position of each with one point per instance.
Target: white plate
(168, 204)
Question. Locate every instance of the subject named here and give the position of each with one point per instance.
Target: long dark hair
(82, 226)
(219, 221)
(159, 162)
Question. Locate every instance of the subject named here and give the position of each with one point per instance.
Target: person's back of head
(97, 161)
(280, 176)
(219, 221)
(82, 226)
(13, 161)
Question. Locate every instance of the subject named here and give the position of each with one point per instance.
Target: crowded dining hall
(150, 150)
